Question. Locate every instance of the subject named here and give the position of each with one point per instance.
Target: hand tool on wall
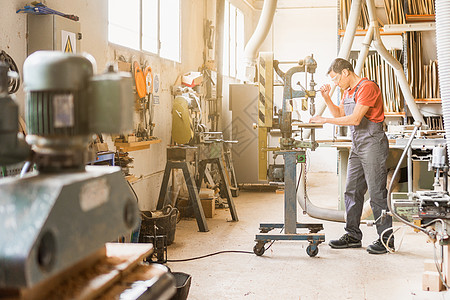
(38, 8)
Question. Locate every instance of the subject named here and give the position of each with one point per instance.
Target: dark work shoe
(345, 241)
(378, 248)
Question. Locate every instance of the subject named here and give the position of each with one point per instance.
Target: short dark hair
(340, 64)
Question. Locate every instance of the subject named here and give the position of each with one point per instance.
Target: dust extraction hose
(312, 210)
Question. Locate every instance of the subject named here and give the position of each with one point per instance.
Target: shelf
(420, 18)
(402, 28)
(362, 32)
(134, 146)
(394, 114)
(430, 100)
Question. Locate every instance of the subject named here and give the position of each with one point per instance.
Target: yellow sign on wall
(68, 42)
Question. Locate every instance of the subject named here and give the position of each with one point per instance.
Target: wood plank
(136, 144)
(127, 147)
(307, 125)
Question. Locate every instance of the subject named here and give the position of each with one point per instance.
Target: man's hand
(325, 91)
(318, 120)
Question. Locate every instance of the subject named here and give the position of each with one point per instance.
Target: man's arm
(336, 111)
(353, 119)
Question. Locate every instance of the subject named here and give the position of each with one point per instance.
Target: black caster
(259, 249)
(312, 250)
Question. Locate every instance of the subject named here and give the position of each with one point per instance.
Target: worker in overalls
(362, 110)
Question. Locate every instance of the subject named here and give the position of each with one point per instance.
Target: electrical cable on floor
(221, 252)
(208, 255)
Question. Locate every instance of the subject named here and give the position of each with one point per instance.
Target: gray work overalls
(366, 169)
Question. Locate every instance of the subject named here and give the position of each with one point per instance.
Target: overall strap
(357, 87)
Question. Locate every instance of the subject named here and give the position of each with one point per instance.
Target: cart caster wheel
(312, 250)
(259, 249)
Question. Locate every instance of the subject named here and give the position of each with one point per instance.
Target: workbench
(395, 150)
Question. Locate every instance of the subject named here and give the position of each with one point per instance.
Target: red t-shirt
(369, 94)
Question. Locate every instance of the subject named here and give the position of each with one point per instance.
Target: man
(362, 110)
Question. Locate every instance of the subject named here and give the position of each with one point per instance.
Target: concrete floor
(285, 271)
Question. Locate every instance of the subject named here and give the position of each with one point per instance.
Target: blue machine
(294, 152)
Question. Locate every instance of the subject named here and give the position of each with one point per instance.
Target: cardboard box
(209, 207)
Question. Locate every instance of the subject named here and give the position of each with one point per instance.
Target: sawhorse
(191, 187)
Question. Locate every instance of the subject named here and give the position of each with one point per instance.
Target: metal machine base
(50, 222)
(312, 237)
(290, 226)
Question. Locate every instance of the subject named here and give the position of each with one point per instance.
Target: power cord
(220, 252)
(208, 255)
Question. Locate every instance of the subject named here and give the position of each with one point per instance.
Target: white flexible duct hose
(258, 37)
(315, 211)
(364, 51)
(443, 55)
(394, 63)
(344, 51)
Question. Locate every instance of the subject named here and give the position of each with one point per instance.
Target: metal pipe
(258, 37)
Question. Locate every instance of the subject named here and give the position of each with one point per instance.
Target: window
(146, 25)
(233, 44)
